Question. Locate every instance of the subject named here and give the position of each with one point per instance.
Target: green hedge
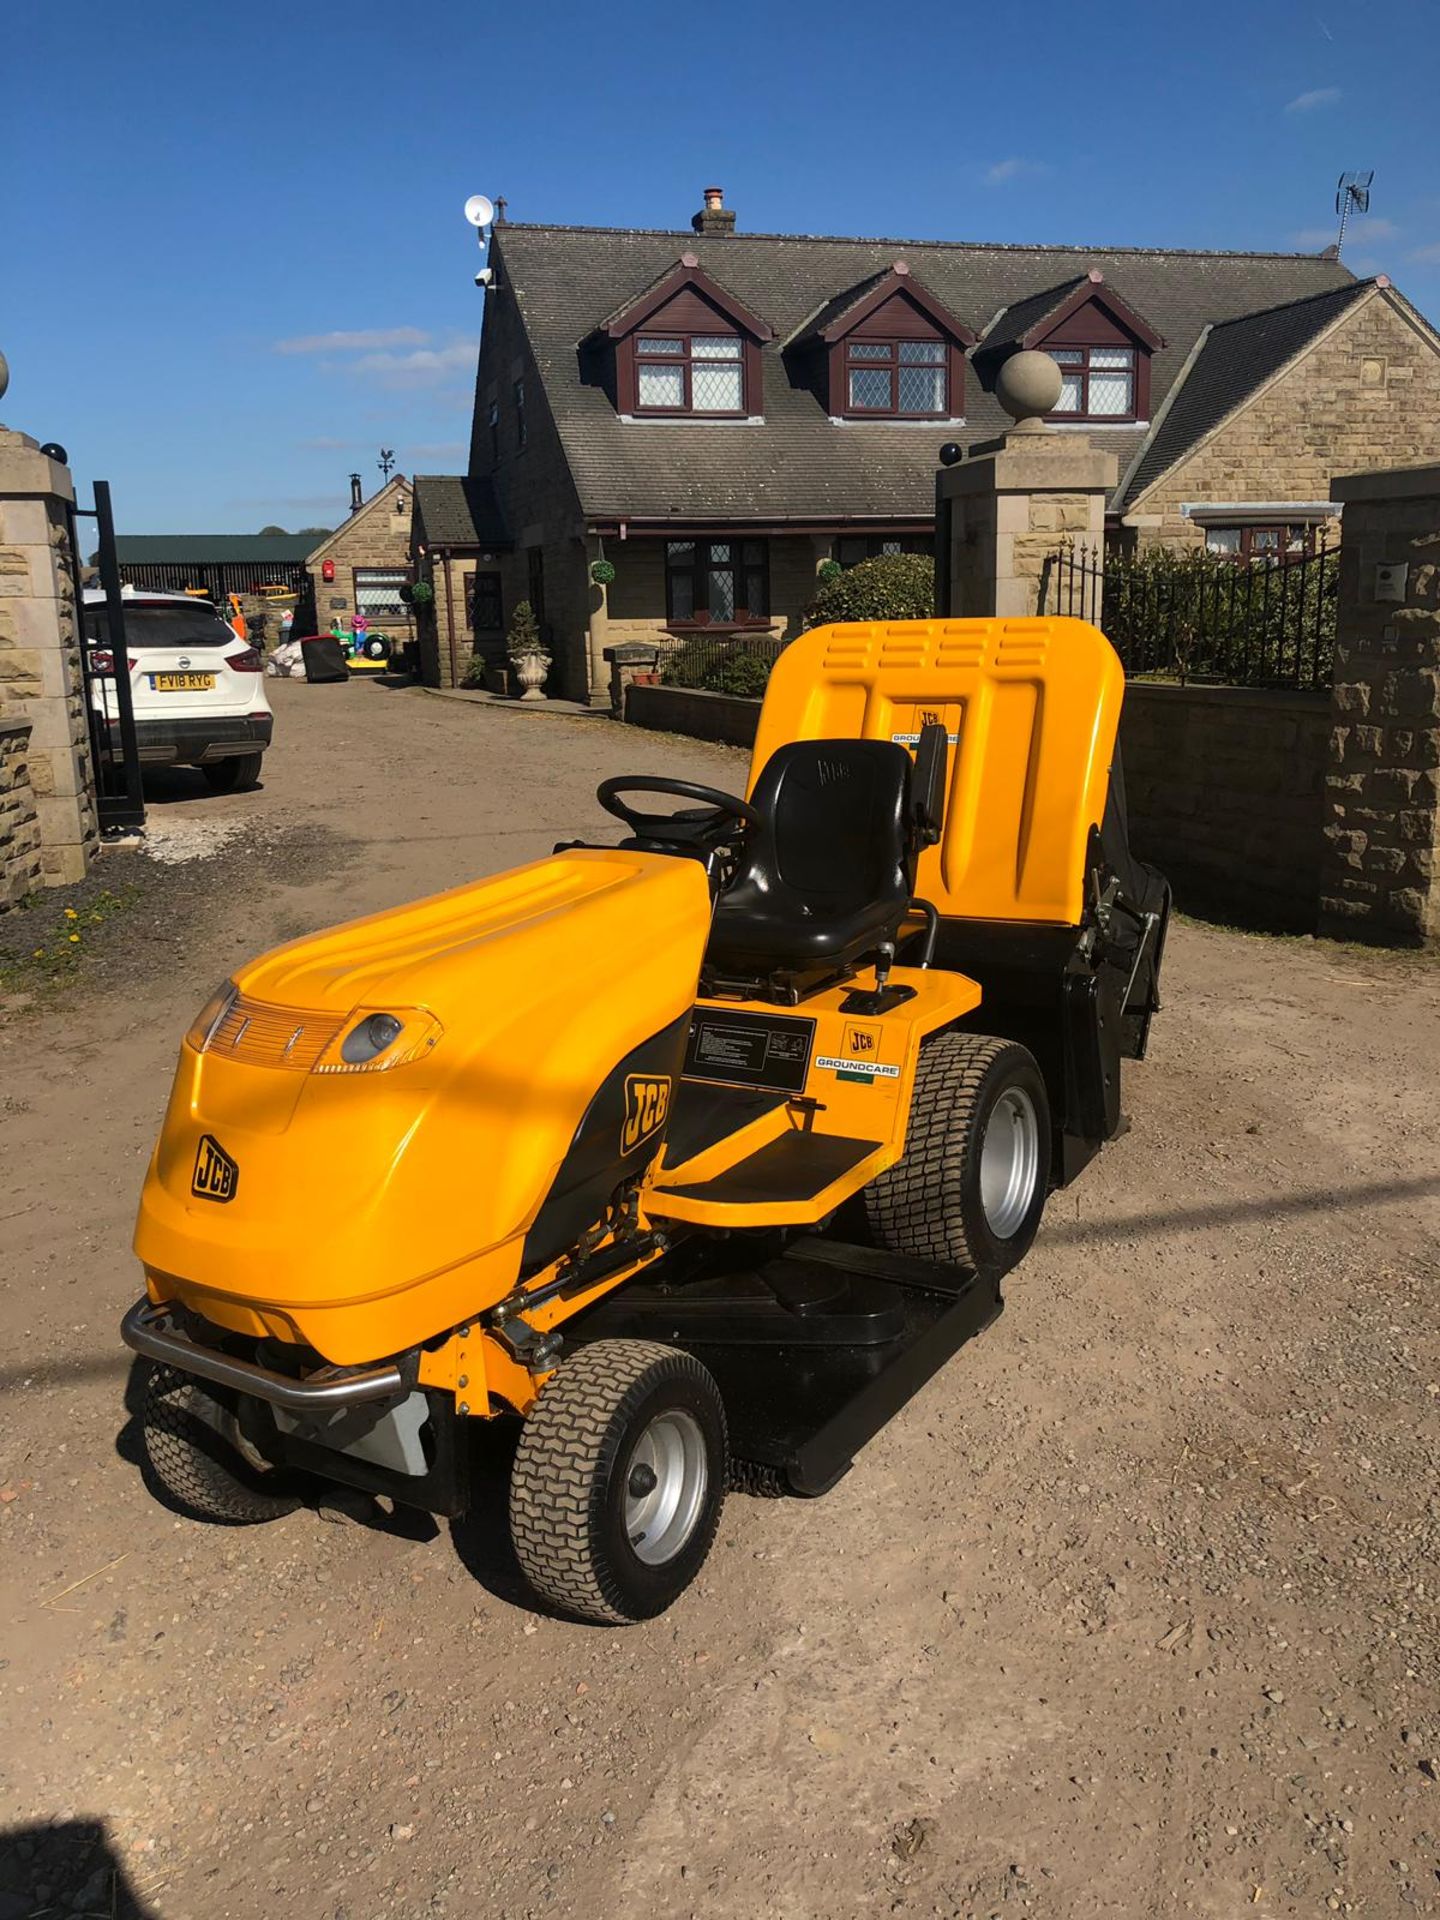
(897, 586)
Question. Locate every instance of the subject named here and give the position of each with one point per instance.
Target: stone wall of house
(377, 536)
(19, 827)
(40, 670)
(1366, 396)
(1382, 868)
(1226, 794)
(633, 606)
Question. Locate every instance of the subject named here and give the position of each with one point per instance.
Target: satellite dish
(479, 211)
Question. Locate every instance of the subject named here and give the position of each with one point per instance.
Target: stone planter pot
(531, 670)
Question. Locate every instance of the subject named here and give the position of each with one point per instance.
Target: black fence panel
(720, 662)
(1265, 622)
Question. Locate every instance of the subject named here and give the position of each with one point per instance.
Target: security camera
(485, 277)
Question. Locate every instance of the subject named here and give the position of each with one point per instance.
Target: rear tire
(619, 1479)
(192, 1442)
(971, 1186)
(236, 775)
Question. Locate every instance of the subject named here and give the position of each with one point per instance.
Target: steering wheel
(702, 826)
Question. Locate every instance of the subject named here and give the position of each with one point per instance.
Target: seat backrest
(835, 819)
(1031, 708)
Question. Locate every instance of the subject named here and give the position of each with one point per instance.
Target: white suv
(198, 689)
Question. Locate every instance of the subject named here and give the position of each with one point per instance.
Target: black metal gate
(105, 668)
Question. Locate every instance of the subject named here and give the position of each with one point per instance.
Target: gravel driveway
(1132, 1612)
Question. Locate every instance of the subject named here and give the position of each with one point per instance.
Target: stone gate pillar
(1382, 792)
(1005, 508)
(40, 674)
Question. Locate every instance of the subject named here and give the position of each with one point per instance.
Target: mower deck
(814, 1350)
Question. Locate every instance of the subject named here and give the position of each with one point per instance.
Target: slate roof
(566, 280)
(1235, 358)
(1011, 326)
(456, 512)
(191, 549)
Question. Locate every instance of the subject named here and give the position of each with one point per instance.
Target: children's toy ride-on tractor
(697, 1154)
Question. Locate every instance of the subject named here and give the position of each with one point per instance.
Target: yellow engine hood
(353, 1189)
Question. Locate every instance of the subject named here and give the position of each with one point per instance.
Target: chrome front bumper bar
(146, 1329)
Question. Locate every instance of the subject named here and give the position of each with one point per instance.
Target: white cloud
(436, 449)
(367, 339)
(1317, 97)
(1004, 171)
(1426, 256)
(324, 443)
(423, 367)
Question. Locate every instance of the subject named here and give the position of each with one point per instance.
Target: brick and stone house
(361, 567)
(715, 414)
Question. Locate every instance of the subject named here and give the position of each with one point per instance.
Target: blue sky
(225, 188)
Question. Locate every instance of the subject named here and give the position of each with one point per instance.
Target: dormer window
(1097, 383)
(906, 378)
(1100, 343)
(689, 373)
(884, 350)
(684, 349)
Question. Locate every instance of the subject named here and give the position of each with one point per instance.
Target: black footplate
(814, 1350)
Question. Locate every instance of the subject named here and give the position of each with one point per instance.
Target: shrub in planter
(897, 586)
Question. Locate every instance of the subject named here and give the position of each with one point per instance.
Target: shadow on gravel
(1231, 1212)
(481, 1536)
(68, 1867)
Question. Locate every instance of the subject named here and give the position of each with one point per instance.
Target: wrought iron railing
(720, 662)
(1267, 622)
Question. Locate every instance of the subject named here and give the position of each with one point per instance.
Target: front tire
(619, 1480)
(970, 1189)
(193, 1444)
(236, 775)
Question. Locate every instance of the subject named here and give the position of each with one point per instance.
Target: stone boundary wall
(19, 828)
(724, 717)
(1226, 790)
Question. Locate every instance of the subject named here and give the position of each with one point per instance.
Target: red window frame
(684, 361)
(747, 560)
(1264, 540)
(1081, 371)
(863, 353)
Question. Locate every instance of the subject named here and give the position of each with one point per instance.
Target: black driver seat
(827, 875)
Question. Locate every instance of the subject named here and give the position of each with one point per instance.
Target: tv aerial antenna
(1352, 195)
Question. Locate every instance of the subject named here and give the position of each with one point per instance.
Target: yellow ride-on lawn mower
(696, 1155)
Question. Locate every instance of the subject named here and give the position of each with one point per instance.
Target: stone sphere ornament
(1028, 387)
(4, 375)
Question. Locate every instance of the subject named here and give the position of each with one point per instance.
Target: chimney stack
(357, 498)
(714, 216)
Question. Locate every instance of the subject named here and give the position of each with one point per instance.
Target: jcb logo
(647, 1102)
(216, 1175)
(861, 1040)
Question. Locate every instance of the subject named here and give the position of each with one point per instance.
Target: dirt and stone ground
(1131, 1613)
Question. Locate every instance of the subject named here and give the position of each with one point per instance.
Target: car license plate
(182, 682)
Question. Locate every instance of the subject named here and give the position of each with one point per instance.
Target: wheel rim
(1009, 1162)
(665, 1484)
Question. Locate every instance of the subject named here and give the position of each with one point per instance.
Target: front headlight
(202, 1028)
(377, 1041)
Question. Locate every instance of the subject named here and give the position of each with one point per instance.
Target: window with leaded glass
(907, 379)
(1270, 541)
(377, 592)
(716, 582)
(852, 548)
(689, 373)
(1096, 383)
